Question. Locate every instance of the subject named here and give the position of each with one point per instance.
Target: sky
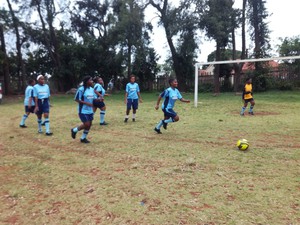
(283, 22)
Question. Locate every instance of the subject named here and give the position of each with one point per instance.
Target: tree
(179, 22)
(3, 54)
(19, 42)
(218, 24)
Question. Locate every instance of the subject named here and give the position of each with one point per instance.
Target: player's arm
(158, 101)
(36, 108)
(126, 95)
(140, 97)
(185, 100)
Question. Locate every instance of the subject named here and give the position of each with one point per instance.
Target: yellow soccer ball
(242, 144)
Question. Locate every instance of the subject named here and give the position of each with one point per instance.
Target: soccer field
(128, 174)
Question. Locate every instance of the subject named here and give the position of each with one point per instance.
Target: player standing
(99, 102)
(247, 97)
(132, 98)
(42, 106)
(85, 96)
(28, 102)
(170, 96)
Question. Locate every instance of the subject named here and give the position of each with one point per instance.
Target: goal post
(198, 65)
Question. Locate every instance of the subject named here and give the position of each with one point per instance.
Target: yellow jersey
(248, 91)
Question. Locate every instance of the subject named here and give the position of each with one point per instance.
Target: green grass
(128, 174)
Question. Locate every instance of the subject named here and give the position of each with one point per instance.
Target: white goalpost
(197, 66)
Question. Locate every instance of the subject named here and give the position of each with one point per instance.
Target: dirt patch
(257, 113)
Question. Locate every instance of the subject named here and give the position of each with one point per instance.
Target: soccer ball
(242, 144)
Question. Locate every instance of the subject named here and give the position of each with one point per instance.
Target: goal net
(277, 62)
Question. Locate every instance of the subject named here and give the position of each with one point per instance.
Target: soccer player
(132, 98)
(99, 102)
(85, 96)
(41, 94)
(247, 97)
(28, 102)
(170, 96)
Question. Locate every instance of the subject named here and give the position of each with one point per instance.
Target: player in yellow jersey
(248, 97)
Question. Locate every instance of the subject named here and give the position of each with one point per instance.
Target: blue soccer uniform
(100, 104)
(132, 90)
(170, 95)
(42, 94)
(29, 106)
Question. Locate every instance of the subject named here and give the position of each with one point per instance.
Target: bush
(206, 87)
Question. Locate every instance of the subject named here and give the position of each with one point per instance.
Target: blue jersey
(98, 87)
(132, 90)
(170, 95)
(29, 94)
(41, 91)
(86, 95)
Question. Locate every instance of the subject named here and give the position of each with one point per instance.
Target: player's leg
(128, 108)
(46, 110)
(135, 106)
(102, 114)
(87, 126)
(244, 108)
(252, 102)
(25, 116)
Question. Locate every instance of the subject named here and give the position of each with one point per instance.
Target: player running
(132, 98)
(247, 96)
(28, 102)
(41, 94)
(170, 95)
(99, 102)
(85, 96)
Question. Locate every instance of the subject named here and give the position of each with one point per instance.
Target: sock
(251, 109)
(170, 120)
(23, 119)
(126, 116)
(243, 110)
(40, 124)
(133, 116)
(158, 126)
(47, 125)
(84, 134)
(75, 129)
(102, 115)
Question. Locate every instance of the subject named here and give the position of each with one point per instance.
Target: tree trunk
(21, 67)
(5, 64)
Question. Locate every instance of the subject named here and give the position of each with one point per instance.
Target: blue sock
(40, 124)
(158, 126)
(251, 109)
(243, 110)
(84, 134)
(75, 129)
(170, 120)
(102, 115)
(23, 119)
(47, 125)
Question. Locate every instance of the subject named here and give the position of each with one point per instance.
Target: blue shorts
(86, 117)
(248, 100)
(134, 103)
(169, 113)
(98, 104)
(31, 109)
(43, 105)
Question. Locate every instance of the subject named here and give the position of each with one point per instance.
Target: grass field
(128, 174)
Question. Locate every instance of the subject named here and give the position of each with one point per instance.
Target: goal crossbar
(197, 65)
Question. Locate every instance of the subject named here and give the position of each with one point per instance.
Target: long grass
(128, 174)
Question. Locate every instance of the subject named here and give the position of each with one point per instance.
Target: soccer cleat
(242, 114)
(23, 126)
(133, 119)
(73, 134)
(49, 134)
(126, 119)
(43, 123)
(86, 141)
(157, 130)
(103, 124)
(164, 124)
(40, 131)
(251, 113)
